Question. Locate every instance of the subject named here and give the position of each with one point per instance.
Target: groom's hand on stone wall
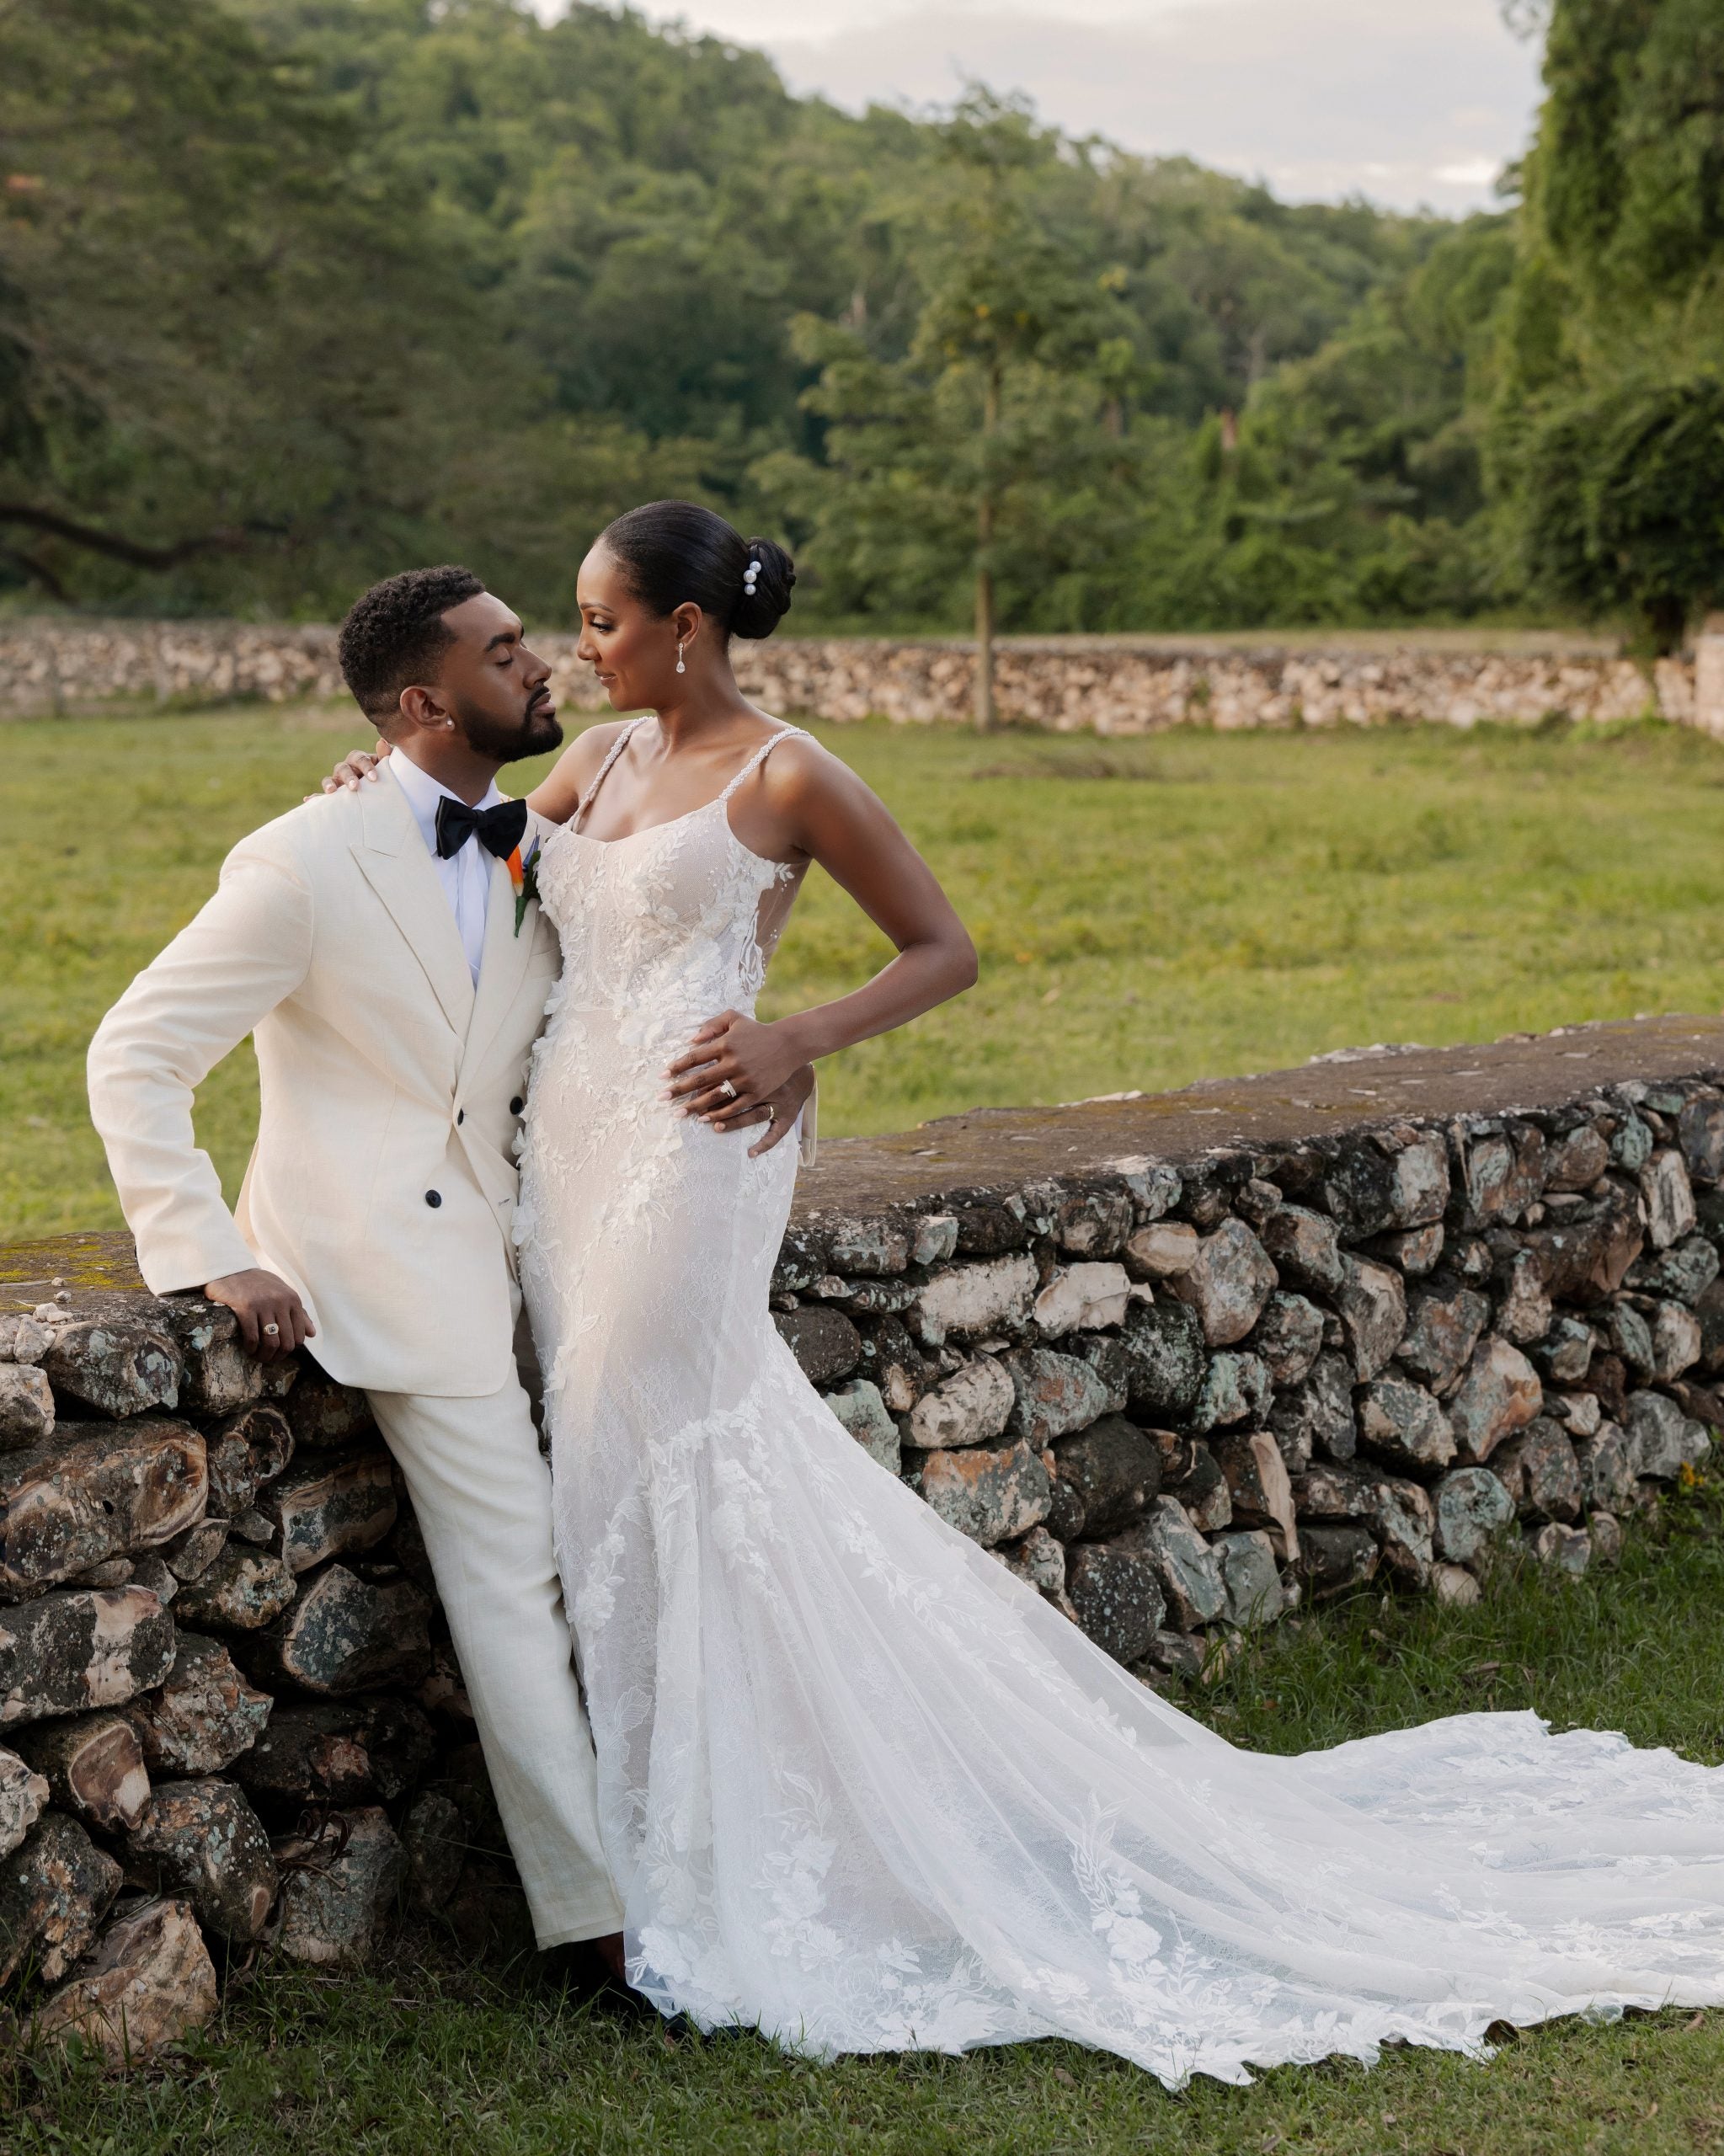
(273, 1321)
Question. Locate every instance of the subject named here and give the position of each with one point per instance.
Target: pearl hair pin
(750, 576)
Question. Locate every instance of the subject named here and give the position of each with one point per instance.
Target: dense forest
(293, 293)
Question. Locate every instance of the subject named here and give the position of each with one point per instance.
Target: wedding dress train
(863, 1788)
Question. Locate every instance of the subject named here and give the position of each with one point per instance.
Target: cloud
(1410, 102)
(1471, 172)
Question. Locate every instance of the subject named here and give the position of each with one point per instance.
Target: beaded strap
(617, 749)
(761, 755)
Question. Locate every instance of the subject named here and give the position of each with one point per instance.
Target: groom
(384, 949)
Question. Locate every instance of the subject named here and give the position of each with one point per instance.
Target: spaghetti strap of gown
(625, 735)
(863, 1788)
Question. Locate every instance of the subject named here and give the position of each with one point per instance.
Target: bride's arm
(809, 803)
(555, 797)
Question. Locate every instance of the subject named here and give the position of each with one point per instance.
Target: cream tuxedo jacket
(383, 1185)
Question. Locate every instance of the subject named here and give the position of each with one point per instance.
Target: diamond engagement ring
(272, 1331)
(727, 1089)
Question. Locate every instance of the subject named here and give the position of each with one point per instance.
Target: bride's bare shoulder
(809, 801)
(557, 795)
(800, 770)
(794, 754)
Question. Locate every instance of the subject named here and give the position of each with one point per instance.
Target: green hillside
(293, 293)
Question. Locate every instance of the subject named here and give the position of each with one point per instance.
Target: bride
(861, 1788)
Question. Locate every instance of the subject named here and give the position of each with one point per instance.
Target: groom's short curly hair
(395, 635)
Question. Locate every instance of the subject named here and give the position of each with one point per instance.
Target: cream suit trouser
(482, 1495)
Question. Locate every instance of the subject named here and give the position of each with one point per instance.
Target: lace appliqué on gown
(863, 1788)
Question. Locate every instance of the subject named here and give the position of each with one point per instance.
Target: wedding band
(727, 1089)
(272, 1329)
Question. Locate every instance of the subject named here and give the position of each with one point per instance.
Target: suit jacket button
(516, 1105)
(433, 1197)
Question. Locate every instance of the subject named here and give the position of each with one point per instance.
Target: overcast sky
(1407, 101)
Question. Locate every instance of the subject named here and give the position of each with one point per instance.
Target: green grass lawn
(1148, 912)
(426, 2058)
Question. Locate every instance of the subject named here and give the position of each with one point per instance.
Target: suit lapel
(396, 865)
(503, 965)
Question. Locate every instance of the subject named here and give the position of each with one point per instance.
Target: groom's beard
(510, 739)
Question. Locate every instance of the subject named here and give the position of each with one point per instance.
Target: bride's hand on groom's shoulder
(356, 767)
(737, 1071)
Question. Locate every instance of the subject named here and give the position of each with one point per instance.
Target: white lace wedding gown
(863, 1788)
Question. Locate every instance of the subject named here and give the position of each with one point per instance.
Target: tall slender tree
(1005, 303)
(1013, 380)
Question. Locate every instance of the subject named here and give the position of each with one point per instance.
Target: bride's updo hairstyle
(671, 553)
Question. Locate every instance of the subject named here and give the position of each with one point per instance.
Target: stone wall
(1183, 1364)
(1113, 685)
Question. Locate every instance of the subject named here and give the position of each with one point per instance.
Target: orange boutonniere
(523, 874)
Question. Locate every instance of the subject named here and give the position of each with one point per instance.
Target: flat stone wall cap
(959, 1157)
(1280, 1109)
(36, 1271)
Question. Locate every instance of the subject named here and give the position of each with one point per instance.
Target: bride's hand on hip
(781, 1111)
(732, 1068)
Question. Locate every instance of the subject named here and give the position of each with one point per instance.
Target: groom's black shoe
(589, 1974)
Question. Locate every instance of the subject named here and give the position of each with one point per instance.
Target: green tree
(1005, 308)
(217, 309)
(1622, 495)
(1351, 486)
(1604, 434)
(1012, 386)
(292, 291)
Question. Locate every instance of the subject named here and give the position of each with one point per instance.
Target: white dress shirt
(464, 876)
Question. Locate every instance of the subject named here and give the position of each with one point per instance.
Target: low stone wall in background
(1122, 685)
(1396, 1320)
(1108, 686)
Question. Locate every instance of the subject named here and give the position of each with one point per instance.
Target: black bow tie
(499, 830)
